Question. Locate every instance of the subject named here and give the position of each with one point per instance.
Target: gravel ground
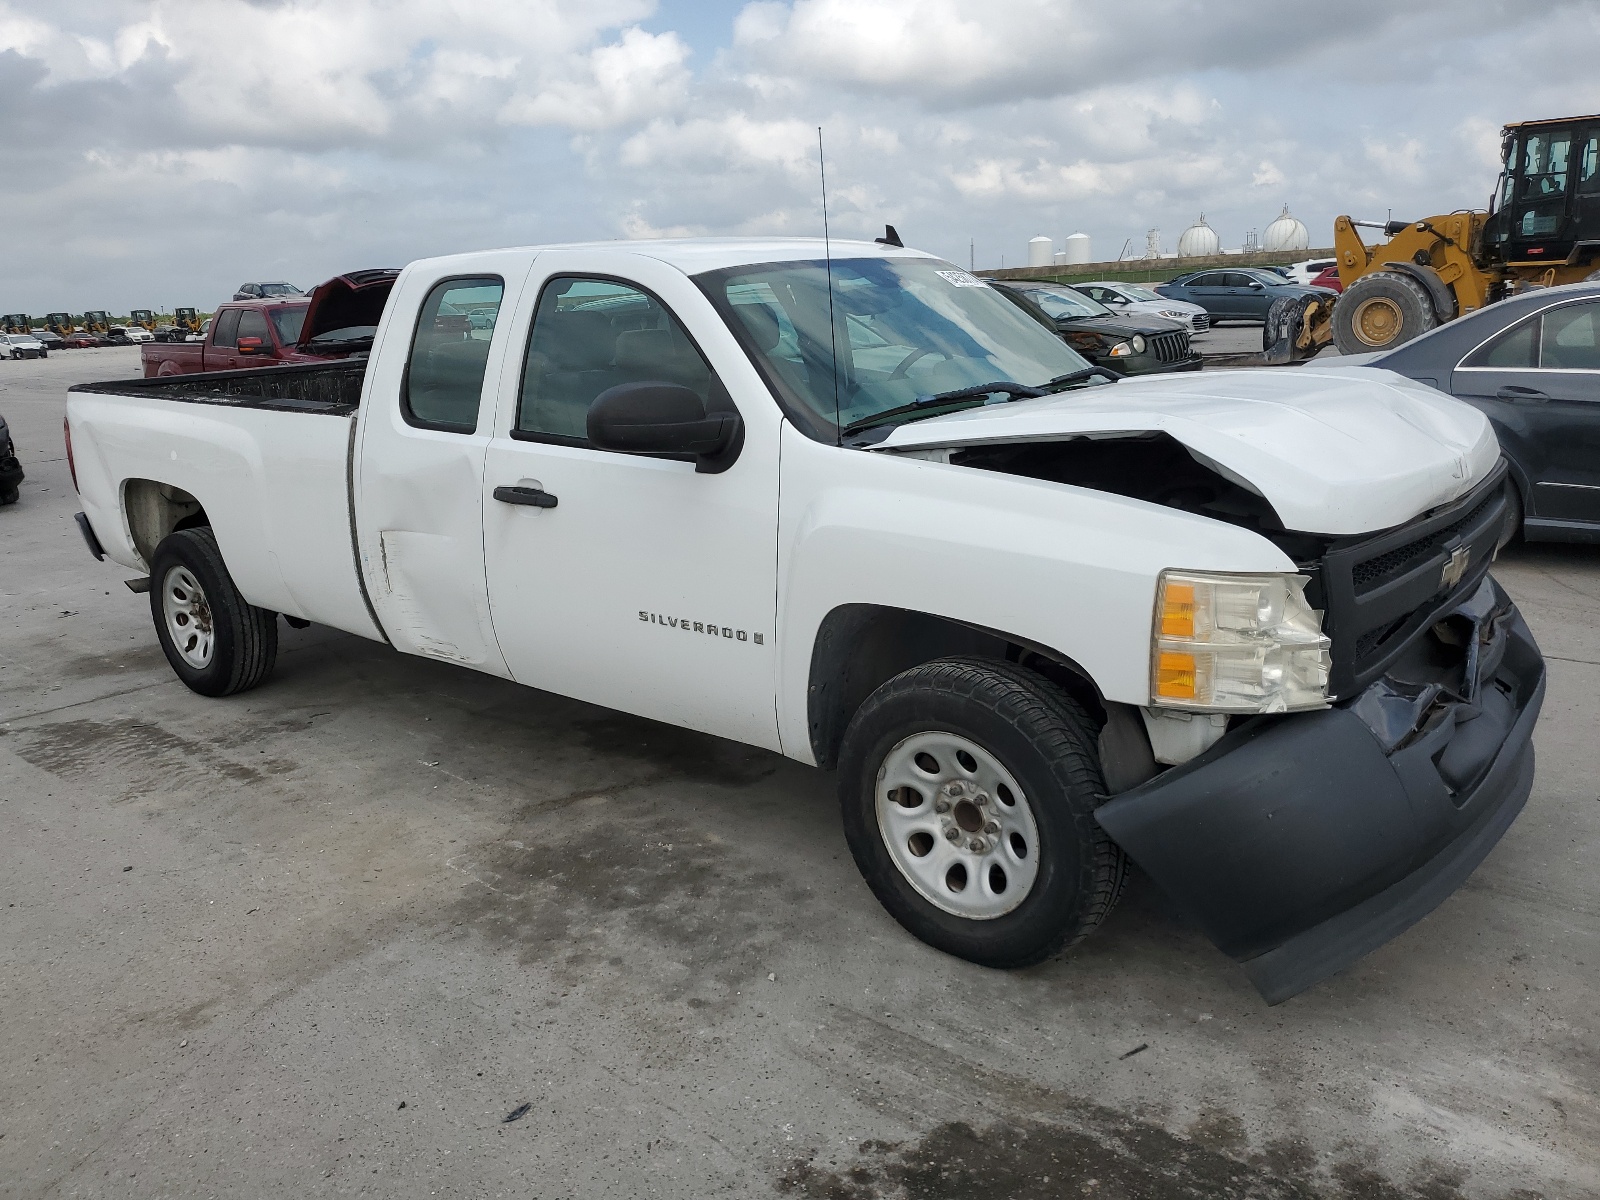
(384, 927)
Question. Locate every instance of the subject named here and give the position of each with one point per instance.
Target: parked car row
(1237, 294)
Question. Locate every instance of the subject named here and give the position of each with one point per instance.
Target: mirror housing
(667, 420)
(251, 345)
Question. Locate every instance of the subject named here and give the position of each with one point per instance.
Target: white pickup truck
(853, 506)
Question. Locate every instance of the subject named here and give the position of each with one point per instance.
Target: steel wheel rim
(1377, 321)
(956, 786)
(188, 616)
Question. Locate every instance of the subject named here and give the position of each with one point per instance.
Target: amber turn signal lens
(1175, 676)
(1177, 610)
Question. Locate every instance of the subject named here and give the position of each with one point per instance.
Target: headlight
(1237, 643)
(1134, 345)
(1175, 314)
(1138, 344)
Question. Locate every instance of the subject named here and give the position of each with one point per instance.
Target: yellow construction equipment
(143, 318)
(186, 319)
(60, 324)
(96, 320)
(1542, 229)
(15, 323)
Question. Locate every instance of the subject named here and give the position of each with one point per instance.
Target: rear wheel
(1381, 310)
(217, 642)
(968, 789)
(9, 496)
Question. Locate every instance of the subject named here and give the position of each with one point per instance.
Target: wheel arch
(859, 647)
(154, 509)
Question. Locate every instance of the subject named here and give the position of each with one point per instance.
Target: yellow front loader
(1542, 229)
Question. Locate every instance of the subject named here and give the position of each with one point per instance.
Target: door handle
(535, 497)
(1527, 395)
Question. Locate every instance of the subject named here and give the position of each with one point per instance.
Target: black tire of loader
(1408, 296)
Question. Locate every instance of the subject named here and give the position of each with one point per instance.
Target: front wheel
(1381, 310)
(217, 642)
(968, 788)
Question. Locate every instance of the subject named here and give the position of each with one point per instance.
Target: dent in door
(428, 609)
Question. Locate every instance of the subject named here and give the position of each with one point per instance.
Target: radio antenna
(827, 255)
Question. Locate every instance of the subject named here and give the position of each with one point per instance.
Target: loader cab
(1547, 206)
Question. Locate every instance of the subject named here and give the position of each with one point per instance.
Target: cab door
(633, 582)
(418, 484)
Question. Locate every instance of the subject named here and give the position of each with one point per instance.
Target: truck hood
(1334, 452)
(355, 299)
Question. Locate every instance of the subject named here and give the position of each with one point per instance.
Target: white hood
(1334, 451)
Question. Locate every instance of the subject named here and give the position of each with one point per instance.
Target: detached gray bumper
(1301, 843)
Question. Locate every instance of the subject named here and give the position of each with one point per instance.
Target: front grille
(1202, 322)
(1171, 347)
(1381, 592)
(1374, 571)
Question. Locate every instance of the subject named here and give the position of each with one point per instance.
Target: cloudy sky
(154, 154)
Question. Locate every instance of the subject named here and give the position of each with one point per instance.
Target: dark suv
(1127, 343)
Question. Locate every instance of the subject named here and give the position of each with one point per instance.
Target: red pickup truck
(337, 321)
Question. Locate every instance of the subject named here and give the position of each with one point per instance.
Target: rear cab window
(443, 384)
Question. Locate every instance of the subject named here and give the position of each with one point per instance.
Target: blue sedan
(1238, 294)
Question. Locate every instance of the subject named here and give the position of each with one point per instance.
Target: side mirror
(1256, 285)
(666, 420)
(251, 345)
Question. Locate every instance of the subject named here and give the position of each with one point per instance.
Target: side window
(449, 354)
(1589, 166)
(592, 334)
(1235, 279)
(227, 328)
(1517, 347)
(1210, 279)
(1570, 342)
(253, 324)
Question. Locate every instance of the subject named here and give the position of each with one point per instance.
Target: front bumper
(1301, 843)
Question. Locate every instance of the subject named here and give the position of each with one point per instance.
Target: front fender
(1053, 565)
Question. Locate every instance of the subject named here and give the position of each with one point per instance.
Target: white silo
(1039, 251)
(1077, 249)
(1199, 240)
(1286, 233)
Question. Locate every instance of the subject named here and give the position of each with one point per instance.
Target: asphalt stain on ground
(572, 886)
(1105, 1155)
(142, 757)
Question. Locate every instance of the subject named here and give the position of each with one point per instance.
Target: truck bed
(273, 481)
(332, 388)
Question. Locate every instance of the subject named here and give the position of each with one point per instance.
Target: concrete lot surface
(387, 928)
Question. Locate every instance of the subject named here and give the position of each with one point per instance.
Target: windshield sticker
(961, 279)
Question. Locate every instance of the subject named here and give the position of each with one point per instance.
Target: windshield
(287, 320)
(906, 328)
(1139, 293)
(1060, 302)
(279, 289)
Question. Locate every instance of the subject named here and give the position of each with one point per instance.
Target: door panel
(1540, 383)
(419, 483)
(649, 587)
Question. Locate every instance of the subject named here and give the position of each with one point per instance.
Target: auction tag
(961, 279)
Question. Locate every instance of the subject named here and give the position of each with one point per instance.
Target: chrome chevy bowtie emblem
(1455, 567)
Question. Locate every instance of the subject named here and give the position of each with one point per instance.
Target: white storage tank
(1077, 249)
(1039, 249)
(1286, 233)
(1199, 240)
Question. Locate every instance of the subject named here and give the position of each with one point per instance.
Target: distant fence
(1154, 270)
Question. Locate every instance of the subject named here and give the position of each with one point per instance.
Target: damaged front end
(1301, 843)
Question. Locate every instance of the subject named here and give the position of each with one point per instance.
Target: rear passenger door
(629, 581)
(1540, 382)
(418, 484)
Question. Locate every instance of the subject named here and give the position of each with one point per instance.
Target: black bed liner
(333, 389)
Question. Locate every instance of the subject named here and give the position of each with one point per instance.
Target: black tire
(1047, 743)
(9, 496)
(1381, 311)
(244, 638)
